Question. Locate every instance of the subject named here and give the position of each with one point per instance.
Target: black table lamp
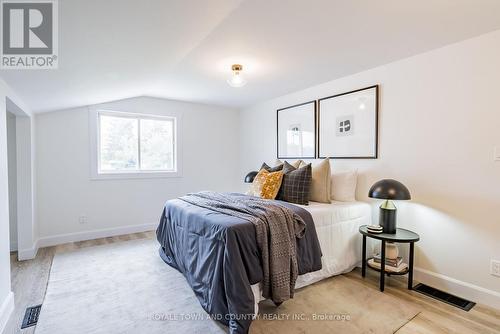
(250, 176)
(389, 190)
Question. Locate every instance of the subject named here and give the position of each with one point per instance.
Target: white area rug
(118, 288)
(126, 288)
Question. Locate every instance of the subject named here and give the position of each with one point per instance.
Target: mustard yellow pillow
(266, 184)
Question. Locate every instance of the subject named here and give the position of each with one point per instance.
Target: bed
(218, 255)
(337, 225)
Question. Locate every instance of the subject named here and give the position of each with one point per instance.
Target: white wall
(6, 302)
(439, 121)
(7, 97)
(12, 166)
(65, 191)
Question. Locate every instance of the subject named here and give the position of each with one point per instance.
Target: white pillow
(344, 186)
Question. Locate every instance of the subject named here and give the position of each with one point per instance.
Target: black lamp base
(387, 220)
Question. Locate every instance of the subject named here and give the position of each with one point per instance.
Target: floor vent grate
(445, 297)
(31, 316)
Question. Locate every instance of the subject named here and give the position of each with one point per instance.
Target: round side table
(401, 236)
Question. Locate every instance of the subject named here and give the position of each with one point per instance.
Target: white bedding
(337, 225)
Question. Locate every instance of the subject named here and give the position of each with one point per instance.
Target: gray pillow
(296, 184)
(271, 169)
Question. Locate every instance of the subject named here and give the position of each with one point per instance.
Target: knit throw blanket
(276, 228)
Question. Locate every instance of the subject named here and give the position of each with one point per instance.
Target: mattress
(337, 225)
(325, 214)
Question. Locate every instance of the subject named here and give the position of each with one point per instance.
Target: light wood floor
(29, 282)
(29, 278)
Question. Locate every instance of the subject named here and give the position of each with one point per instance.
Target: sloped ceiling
(183, 49)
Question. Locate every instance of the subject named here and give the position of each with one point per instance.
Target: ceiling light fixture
(236, 79)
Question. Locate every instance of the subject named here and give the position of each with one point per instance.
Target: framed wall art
(296, 131)
(348, 125)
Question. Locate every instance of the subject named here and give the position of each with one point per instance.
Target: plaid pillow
(296, 184)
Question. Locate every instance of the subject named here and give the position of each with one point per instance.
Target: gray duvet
(218, 252)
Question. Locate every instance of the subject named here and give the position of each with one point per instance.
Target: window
(134, 145)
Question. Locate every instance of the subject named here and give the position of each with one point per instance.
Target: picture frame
(296, 131)
(348, 124)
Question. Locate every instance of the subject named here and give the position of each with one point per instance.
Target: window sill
(135, 175)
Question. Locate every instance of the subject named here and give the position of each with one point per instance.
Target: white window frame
(94, 133)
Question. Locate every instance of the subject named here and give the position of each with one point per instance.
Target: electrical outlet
(495, 268)
(496, 153)
(83, 220)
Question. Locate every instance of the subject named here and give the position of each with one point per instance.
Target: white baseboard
(459, 288)
(95, 234)
(30, 253)
(6, 309)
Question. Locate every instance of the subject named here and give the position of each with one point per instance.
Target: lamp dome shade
(250, 176)
(389, 189)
